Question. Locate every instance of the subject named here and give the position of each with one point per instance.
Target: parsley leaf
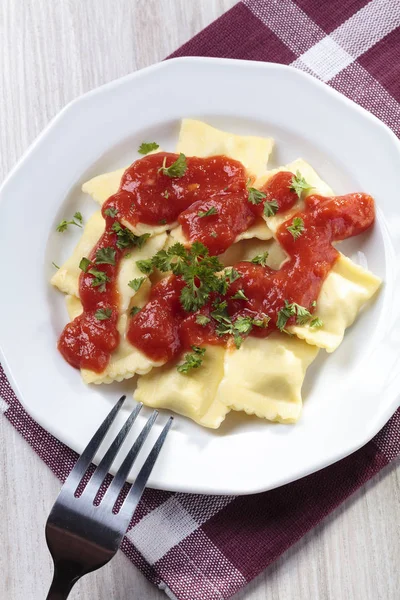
(84, 264)
(99, 279)
(54, 265)
(263, 322)
(299, 184)
(271, 207)
(134, 311)
(76, 220)
(202, 320)
(240, 295)
(232, 274)
(260, 259)
(255, 196)
(177, 169)
(105, 256)
(193, 360)
(103, 314)
(125, 237)
(145, 266)
(165, 194)
(111, 212)
(197, 269)
(146, 147)
(316, 322)
(136, 283)
(296, 228)
(162, 222)
(301, 313)
(207, 213)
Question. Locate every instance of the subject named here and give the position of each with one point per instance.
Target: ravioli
(264, 377)
(318, 187)
(191, 394)
(126, 360)
(66, 278)
(199, 139)
(345, 290)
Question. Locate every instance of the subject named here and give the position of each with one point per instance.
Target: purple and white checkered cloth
(209, 547)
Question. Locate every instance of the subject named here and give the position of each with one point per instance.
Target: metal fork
(82, 536)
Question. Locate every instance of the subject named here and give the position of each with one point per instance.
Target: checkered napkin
(209, 547)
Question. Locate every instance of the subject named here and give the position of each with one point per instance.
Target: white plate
(348, 395)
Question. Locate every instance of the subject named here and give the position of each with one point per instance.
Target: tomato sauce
(210, 201)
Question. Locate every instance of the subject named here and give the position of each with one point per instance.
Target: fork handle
(61, 585)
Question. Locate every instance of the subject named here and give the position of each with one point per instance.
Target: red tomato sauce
(210, 201)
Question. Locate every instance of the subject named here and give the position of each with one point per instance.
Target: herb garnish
(105, 256)
(103, 314)
(193, 360)
(240, 295)
(207, 213)
(271, 208)
(177, 169)
(296, 228)
(134, 311)
(54, 265)
(76, 220)
(136, 283)
(125, 237)
(299, 184)
(260, 259)
(255, 196)
(84, 264)
(146, 147)
(202, 320)
(316, 322)
(111, 212)
(99, 279)
(145, 266)
(302, 314)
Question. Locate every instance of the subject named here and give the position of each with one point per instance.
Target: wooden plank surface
(50, 52)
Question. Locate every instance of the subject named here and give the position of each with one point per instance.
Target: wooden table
(50, 53)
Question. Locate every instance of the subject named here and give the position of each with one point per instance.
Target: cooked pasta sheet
(196, 138)
(264, 377)
(344, 292)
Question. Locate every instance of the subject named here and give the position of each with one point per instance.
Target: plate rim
(374, 121)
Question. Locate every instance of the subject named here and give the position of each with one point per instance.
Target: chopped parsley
(263, 322)
(134, 311)
(105, 256)
(255, 196)
(125, 237)
(193, 360)
(260, 259)
(241, 326)
(146, 147)
(270, 208)
(302, 314)
(207, 213)
(111, 212)
(240, 295)
(198, 270)
(202, 320)
(232, 274)
(214, 234)
(162, 222)
(76, 220)
(316, 322)
(296, 228)
(99, 279)
(54, 265)
(103, 314)
(145, 266)
(165, 194)
(299, 184)
(176, 169)
(84, 264)
(136, 283)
